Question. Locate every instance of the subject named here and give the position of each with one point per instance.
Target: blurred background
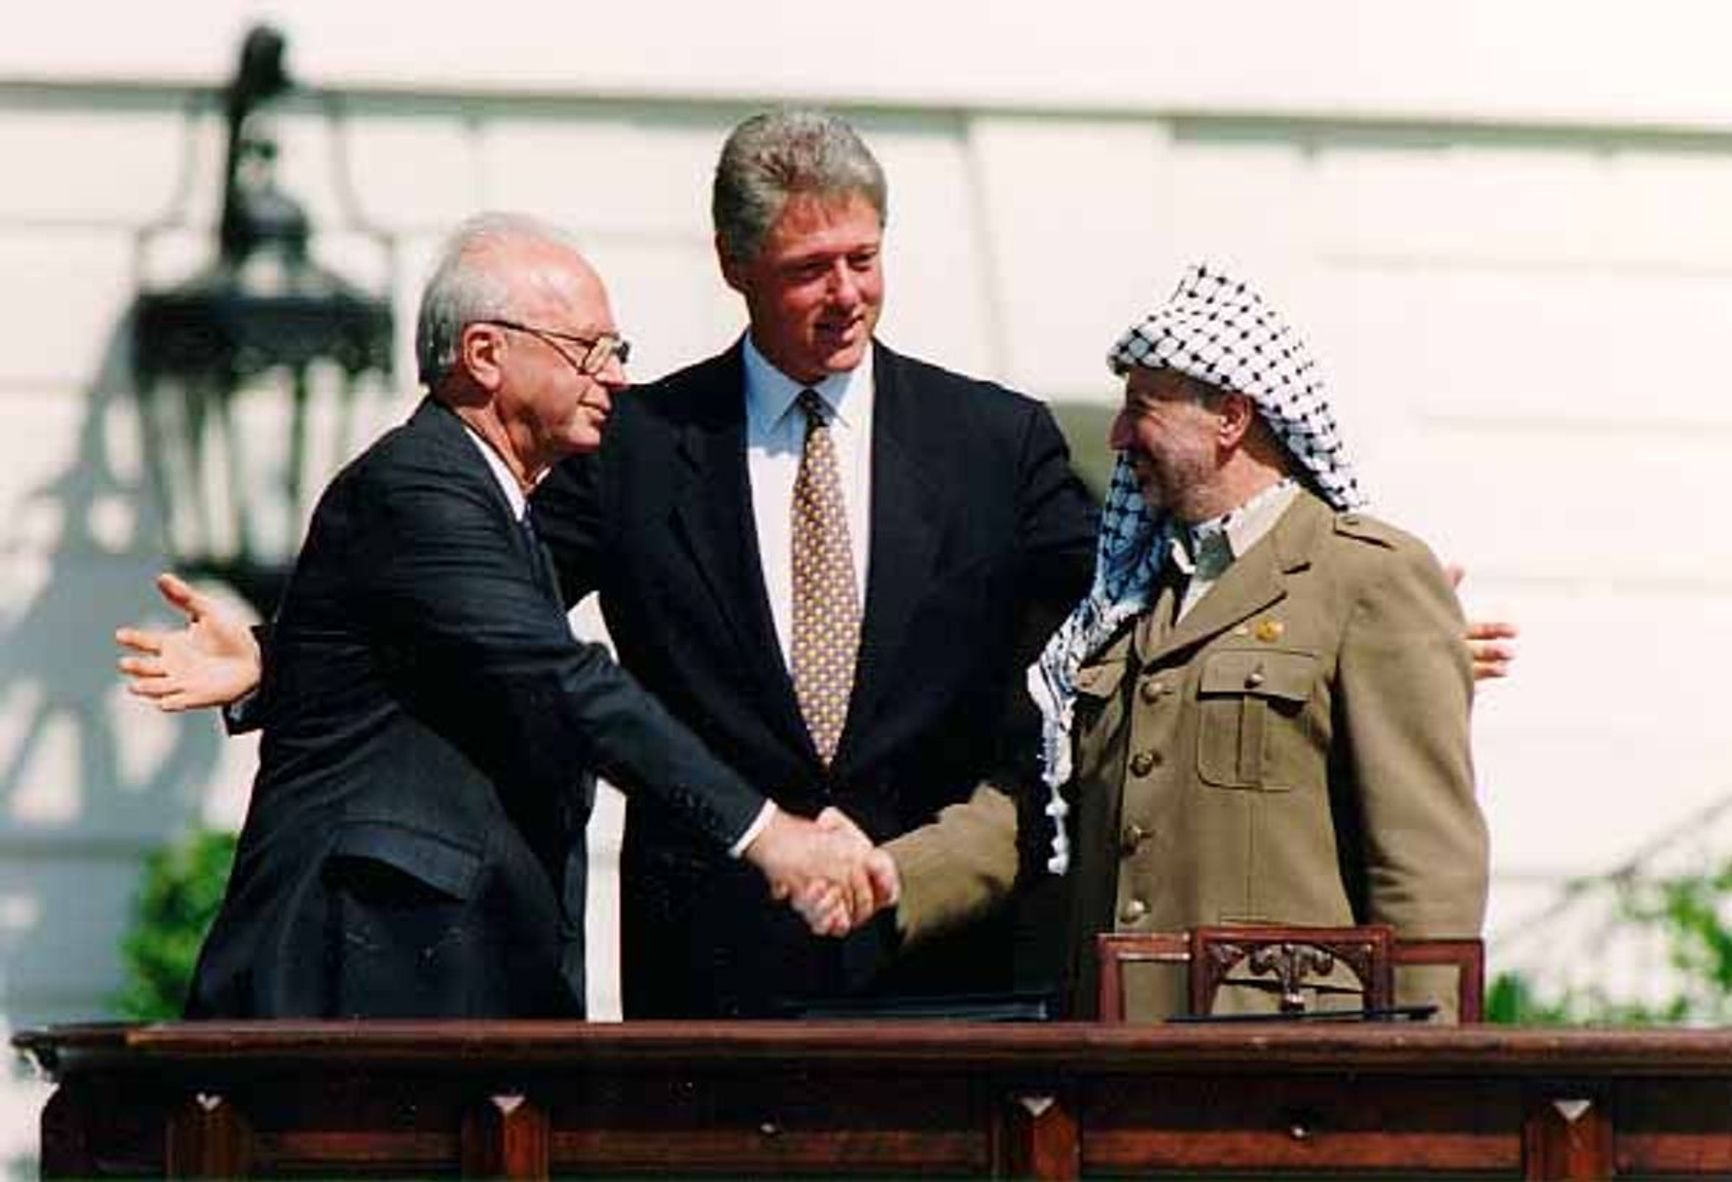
(1503, 226)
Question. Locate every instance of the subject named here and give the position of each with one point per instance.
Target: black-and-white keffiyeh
(1218, 330)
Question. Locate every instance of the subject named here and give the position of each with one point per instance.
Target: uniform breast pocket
(1099, 708)
(1251, 726)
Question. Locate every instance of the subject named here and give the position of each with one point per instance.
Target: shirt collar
(507, 482)
(1209, 547)
(770, 393)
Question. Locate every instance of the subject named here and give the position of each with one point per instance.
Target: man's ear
(730, 266)
(481, 354)
(1237, 414)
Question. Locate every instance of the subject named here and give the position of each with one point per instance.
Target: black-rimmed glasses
(597, 351)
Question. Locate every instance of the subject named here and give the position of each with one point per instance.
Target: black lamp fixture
(257, 329)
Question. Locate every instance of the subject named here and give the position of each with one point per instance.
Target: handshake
(828, 870)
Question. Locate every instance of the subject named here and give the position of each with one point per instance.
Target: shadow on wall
(90, 779)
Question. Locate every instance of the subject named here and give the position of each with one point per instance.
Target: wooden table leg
(66, 1136)
(1567, 1136)
(506, 1137)
(1037, 1138)
(208, 1137)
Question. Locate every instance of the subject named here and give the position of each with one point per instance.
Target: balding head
(516, 335)
(486, 269)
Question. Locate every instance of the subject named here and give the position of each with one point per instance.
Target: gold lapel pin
(1270, 630)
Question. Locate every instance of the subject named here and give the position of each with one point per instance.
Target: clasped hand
(828, 870)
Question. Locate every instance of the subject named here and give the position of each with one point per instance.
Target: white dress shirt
(496, 465)
(775, 438)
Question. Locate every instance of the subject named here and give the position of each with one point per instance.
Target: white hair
(467, 285)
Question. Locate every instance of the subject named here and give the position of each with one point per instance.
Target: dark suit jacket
(414, 844)
(981, 538)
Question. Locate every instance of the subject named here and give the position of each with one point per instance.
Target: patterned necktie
(826, 605)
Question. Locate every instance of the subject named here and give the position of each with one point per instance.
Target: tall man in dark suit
(414, 844)
(865, 662)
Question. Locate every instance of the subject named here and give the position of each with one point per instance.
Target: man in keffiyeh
(1259, 713)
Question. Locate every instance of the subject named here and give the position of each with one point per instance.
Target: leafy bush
(1691, 913)
(177, 901)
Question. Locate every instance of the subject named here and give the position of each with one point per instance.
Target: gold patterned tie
(826, 606)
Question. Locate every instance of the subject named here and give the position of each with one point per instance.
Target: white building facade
(1504, 228)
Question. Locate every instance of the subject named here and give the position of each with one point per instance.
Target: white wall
(1502, 225)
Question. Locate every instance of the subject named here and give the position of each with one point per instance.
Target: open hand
(212, 661)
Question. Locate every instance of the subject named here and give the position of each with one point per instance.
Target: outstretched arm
(213, 661)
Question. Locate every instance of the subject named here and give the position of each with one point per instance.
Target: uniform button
(1143, 762)
(1152, 690)
(1133, 910)
(1132, 837)
(1254, 679)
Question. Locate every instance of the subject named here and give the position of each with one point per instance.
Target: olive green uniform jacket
(1294, 750)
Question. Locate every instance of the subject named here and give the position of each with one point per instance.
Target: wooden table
(522, 1099)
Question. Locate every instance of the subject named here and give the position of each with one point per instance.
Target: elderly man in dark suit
(414, 844)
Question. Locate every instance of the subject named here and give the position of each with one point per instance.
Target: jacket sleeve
(247, 712)
(1405, 691)
(958, 867)
(966, 861)
(475, 644)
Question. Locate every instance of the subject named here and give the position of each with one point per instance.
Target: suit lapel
(1253, 582)
(906, 511)
(712, 510)
(443, 423)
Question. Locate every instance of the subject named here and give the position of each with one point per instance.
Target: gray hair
(467, 286)
(778, 153)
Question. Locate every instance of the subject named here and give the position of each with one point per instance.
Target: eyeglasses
(597, 351)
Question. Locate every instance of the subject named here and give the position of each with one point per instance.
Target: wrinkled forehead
(556, 285)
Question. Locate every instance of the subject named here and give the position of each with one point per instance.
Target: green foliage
(1689, 910)
(1512, 999)
(182, 889)
(1690, 914)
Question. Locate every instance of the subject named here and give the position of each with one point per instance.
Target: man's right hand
(212, 661)
(827, 869)
(1489, 645)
